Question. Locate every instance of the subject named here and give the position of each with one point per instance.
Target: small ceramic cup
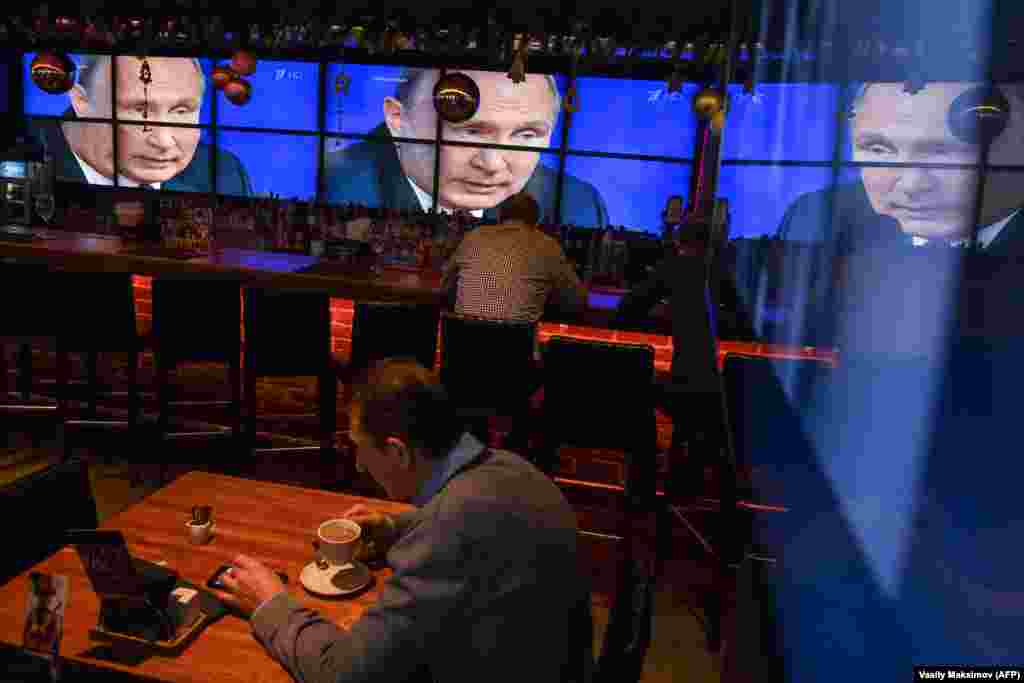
(199, 534)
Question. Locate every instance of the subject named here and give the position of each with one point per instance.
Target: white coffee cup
(199, 533)
(338, 552)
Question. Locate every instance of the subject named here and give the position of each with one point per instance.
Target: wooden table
(272, 523)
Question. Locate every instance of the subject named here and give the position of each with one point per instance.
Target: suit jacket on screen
(231, 175)
(369, 173)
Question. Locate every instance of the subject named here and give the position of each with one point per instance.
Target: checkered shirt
(507, 272)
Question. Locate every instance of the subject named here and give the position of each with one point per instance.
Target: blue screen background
(634, 191)
(782, 122)
(284, 96)
(633, 117)
(44, 104)
(276, 162)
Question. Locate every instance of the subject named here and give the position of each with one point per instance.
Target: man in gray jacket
(485, 586)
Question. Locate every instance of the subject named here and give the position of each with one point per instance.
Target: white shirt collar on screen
(426, 199)
(985, 235)
(94, 177)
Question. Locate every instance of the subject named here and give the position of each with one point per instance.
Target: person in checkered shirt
(511, 270)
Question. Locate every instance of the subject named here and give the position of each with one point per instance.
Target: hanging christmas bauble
(238, 91)
(707, 103)
(243, 63)
(456, 97)
(222, 75)
(978, 115)
(718, 122)
(53, 72)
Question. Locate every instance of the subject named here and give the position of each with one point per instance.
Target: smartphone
(216, 583)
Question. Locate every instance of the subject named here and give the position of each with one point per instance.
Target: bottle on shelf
(299, 227)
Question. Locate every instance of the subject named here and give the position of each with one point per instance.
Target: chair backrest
(389, 329)
(764, 419)
(599, 394)
(197, 319)
(287, 333)
(629, 626)
(31, 500)
(486, 362)
(97, 312)
(27, 299)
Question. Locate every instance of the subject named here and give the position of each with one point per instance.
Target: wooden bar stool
(387, 329)
(196, 320)
(29, 318)
(599, 395)
(288, 334)
(489, 370)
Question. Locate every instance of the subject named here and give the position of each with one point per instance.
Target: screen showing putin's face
(891, 125)
(471, 178)
(146, 153)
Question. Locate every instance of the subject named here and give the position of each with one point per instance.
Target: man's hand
(378, 532)
(249, 584)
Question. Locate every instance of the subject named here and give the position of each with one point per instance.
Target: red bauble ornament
(222, 75)
(238, 91)
(456, 97)
(243, 63)
(53, 72)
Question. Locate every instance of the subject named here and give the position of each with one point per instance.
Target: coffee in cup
(337, 540)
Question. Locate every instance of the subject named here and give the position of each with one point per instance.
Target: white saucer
(335, 581)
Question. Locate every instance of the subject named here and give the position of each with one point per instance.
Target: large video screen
(261, 164)
(910, 169)
(285, 95)
(782, 122)
(602, 192)
(395, 101)
(179, 92)
(149, 151)
(633, 117)
(370, 173)
(478, 179)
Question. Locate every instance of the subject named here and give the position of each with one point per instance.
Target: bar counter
(90, 252)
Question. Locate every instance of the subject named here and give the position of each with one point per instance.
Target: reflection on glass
(633, 117)
(598, 192)
(782, 122)
(264, 163)
(370, 173)
(760, 195)
(284, 96)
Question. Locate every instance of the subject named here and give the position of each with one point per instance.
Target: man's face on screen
(509, 114)
(893, 126)
(147, 156)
